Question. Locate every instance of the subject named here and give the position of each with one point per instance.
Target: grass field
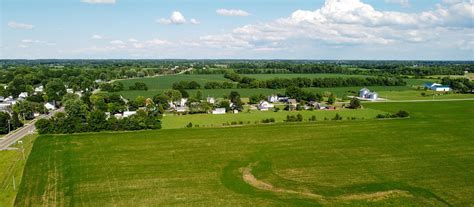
(12, 165)
(427, 159)
(171, 121)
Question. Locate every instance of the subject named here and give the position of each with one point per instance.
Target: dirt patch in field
(249, 178)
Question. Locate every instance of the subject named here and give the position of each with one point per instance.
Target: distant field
(171, 121)
(12, 165)
(425, 160)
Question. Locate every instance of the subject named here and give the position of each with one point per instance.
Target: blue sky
(255, 29)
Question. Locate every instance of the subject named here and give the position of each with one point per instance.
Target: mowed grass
(428, 159)
(11, 169)
(172, 121)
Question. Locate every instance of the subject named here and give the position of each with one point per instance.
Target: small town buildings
(265, 106)
(282, 99)
(273, 99)
(211, 100)
(129, 113)
(437, 87)
(49, 106)
(218, 111)
(5, 107)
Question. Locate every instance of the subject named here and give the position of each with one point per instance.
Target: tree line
(278, 83)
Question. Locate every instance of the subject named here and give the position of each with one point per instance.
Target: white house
(69, 90)
(181, 109)
(118, 116)
(129, 113)
(49, 106)
(264, 106)
(273, 99)
(39, 89)
(218, 111)
(183, 102)
(211, 100)
(23, 95)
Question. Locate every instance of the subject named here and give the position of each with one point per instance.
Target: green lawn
(12, 165)
(172, 121)
(425, 160)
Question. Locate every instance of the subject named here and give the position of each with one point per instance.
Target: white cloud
(349, 22)
(97, 37)
(98, 1)
(194, 21)
(176, 18)
(117, 42)
(232, 12)
(403, 3)
(132, 40)
(157, 42)
(26, 42)
(18, 25)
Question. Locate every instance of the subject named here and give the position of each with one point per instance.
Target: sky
(238, 29)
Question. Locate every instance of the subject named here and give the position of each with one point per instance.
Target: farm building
(437, 87)
(367, 94)
(218, 111)
(273, 99)
(264, 106)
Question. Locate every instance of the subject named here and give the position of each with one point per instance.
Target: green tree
(332, 99)
(55, 90)
(97, 120)
(355, 103)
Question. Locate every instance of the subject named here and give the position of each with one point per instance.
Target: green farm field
(297, 75)
(424, 160)
(172, 121)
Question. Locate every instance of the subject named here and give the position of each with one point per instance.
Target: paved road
(29, 128)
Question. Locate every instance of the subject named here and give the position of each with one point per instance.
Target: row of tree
(90, 116)
(278, 83)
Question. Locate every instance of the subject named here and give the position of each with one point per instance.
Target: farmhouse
(292, 104)
(273, 99)
(218, 111)
(264, 106)
(437, 87)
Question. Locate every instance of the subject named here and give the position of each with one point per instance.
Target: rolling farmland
(423, 160)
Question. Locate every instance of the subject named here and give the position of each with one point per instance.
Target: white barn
(218, 111)
(265, 106)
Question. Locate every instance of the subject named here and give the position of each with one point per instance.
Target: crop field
(172, 121)
(11, 168)
(426, 159)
